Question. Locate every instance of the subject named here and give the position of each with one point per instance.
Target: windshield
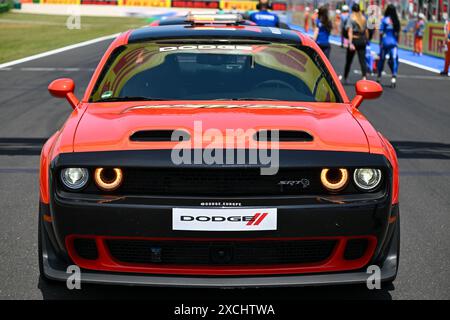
(150, 71)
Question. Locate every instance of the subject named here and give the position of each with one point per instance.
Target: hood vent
(285, 136)
(159, 135)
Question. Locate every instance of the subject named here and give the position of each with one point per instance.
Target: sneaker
(393, 82)
(378, 79)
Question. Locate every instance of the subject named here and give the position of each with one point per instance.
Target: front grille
(355, 249)
(86, 248)
(219, 182)
(263, 252)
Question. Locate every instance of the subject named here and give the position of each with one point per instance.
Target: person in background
(419, 30)
(314, 17)
(306, 19)
(337, 22)
(389, 33)
(447, 54)
(371, 24)
(263, 17)
(322, 30)
(344, 19)
(357, 37)
(370, 59)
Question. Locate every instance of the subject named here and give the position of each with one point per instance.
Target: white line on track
(59, 50)
(4, 66)
(47, 69)
(406, 76)
(413, 64)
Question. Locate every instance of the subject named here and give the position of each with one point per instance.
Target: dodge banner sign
(221, 219)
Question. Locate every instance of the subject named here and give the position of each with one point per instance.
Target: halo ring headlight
(74, 178)
(108, 179)
(367, 179)
(334, 179)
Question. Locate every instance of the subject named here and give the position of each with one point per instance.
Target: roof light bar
(214, 18)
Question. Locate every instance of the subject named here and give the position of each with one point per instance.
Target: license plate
(224, 219)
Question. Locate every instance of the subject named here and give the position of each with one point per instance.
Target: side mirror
(64, 88)
(366, 89)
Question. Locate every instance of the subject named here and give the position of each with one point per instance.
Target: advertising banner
(203, 4)
(145, 3)
(100, 2)
(60, 1)
(238, 5)
(434, 40)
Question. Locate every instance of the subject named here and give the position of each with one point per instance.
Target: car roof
(214, 32)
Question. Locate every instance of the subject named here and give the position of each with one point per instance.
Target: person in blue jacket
(263, 17)
(322, 30)
(389, 33)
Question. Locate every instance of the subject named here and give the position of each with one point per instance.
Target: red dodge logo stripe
(257, 219)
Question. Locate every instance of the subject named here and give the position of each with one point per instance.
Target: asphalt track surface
(415, 117)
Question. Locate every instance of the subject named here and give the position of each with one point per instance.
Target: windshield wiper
(129, 98)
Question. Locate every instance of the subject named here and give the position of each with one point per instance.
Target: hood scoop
(284, 136)
(159, 135)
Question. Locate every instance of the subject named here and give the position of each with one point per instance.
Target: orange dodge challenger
(157, 177)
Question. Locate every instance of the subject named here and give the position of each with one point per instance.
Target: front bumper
(55, 268)
(300, 217)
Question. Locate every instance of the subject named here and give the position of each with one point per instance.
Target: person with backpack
(357, 38)
(322, 30)
(389, 33)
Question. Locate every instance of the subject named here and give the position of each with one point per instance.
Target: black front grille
(355, 249)
(263, 252)
(86, 248)
(219, 182)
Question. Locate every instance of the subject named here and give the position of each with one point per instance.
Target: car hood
(108, 126)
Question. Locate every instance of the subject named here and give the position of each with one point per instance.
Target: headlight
(74, 178)
(334, 179)
(108, 179)
(367, 179)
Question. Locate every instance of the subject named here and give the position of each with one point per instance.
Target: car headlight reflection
(108, 179)
(74, 178)
(367, 179)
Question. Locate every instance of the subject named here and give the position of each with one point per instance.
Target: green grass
(23, 35)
